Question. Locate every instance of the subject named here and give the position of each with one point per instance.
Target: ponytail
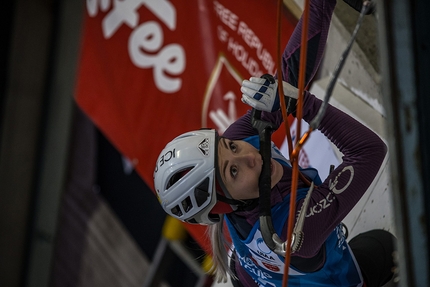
(220, 268)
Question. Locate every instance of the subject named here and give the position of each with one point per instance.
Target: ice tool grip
(265, 130)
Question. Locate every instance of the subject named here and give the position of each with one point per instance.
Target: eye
(232, 146)
(233, 171)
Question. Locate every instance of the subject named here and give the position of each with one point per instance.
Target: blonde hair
(220, 268)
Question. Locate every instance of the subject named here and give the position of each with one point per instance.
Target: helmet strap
(241, 205)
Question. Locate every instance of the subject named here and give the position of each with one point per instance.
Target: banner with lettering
(153, 69)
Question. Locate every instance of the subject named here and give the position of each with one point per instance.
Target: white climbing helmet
(185, 177)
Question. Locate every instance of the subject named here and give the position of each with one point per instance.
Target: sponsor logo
(222, 119)
(146, 46)
(164, 158)
(221, 104)
(204, 147)
(264, 255)
(262, 246)
(321, 205)
(271, 267)
(333, 186)
(263, 250)
(248, 264)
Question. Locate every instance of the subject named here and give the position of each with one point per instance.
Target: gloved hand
(262, 95)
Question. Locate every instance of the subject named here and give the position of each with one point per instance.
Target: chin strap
(241, 205)
(226, 203)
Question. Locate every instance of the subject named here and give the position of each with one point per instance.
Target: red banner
(151, 70)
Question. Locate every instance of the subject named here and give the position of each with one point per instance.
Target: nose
(249, 159)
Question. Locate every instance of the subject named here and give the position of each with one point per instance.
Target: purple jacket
(363, 150)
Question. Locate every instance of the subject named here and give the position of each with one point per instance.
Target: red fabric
(152, 70)
(221, 208)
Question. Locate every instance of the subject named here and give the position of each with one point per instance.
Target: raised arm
(320, 17)
(363, 152)
(320, 14)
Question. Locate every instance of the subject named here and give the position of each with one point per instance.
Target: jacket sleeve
(363, 154)
(320, 17)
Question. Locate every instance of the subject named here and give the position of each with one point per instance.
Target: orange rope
(280, 85)
(281, 90)
(294, 154)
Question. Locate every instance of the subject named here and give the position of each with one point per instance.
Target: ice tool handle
(265, 130)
